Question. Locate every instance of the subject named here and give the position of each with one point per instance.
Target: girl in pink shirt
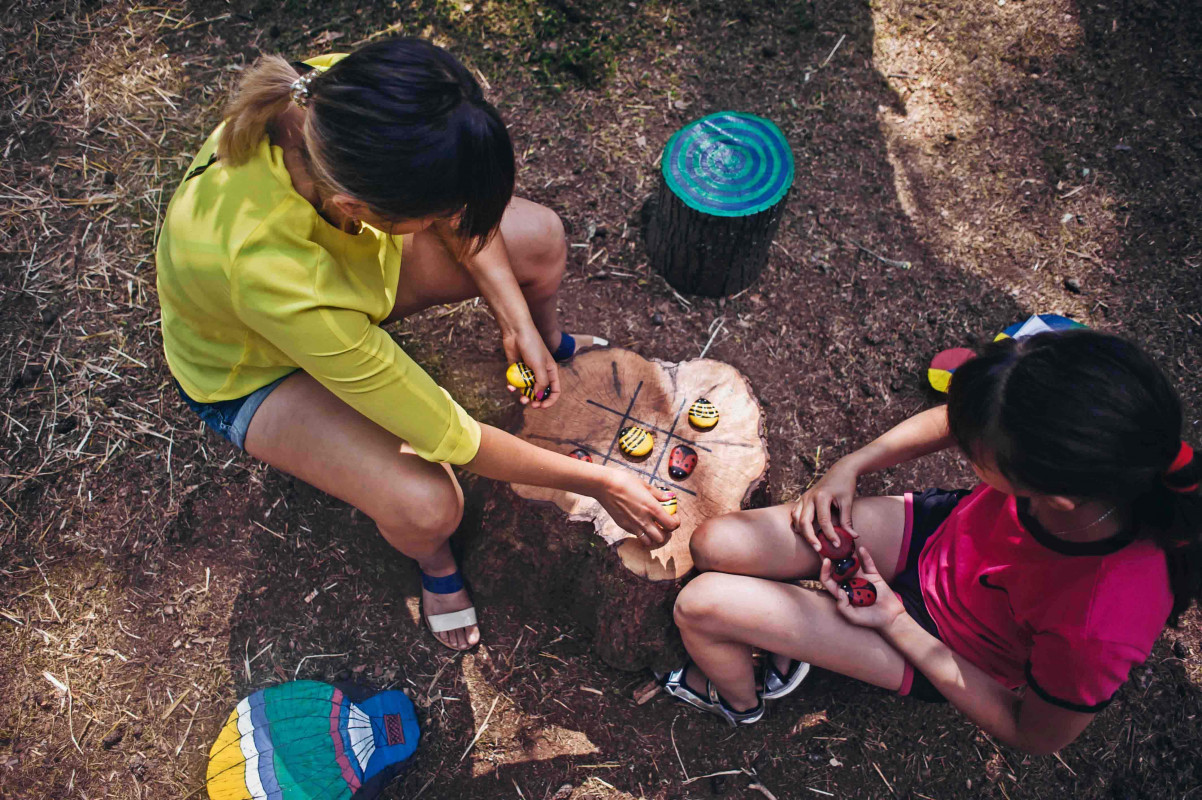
(1024, 602)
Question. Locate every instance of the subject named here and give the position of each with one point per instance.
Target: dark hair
(398, 124)
(1086, 414)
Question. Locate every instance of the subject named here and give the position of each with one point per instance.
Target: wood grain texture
(604, 390)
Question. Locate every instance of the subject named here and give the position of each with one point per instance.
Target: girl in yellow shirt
(339, 195)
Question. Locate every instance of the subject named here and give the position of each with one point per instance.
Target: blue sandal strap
(447, 584)
(566, 349)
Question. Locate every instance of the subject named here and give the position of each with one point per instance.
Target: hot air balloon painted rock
(860, 592)
(306, 740)
(681, 462)
(635, 442)
(703, 414)
(580, 454)
(844, 568)
(521, 377)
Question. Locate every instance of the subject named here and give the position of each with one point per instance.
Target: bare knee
(713, 546)
(699, 602)
(421, 512)
(542, 251)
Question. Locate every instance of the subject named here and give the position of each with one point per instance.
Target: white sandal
(675, 685)
(452, 620)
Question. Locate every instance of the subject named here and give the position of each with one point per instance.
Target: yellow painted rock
(669, 505)
(521, 377)
(703, 413)
(635, 442)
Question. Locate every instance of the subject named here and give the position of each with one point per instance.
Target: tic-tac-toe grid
(625, 417)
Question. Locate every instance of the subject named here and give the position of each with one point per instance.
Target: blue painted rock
(681, 462)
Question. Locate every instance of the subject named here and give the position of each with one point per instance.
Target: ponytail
(1175, 509)
(263, 92)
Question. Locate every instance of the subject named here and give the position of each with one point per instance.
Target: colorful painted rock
(635, 442)
(860, 592)
(681, 462)
(847, 545)
(309, 741)
(521, 377)
(703, 414)
(844, 568)
(669, 505)
(946, 362)
(1040, 323)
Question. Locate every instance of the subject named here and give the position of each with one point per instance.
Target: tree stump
(610, 582)
(724, 181)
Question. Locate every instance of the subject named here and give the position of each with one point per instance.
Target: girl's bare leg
(304, 430)
(722, 618)
(534, 237)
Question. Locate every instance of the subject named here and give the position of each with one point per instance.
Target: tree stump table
(724, 181)
(604, 576)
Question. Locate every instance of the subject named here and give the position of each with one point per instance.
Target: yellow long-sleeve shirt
(254, 283)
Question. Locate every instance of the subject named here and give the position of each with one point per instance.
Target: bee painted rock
(846, 547)
(580, 454)
(703, 414)
(681, 462)
(635, 442)
(669, 505)
(521, 377)
(844, 568)
(859, 591)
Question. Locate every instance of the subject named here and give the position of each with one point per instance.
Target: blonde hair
(263, 93)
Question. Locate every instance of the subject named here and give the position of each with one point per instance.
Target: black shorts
(925, 512)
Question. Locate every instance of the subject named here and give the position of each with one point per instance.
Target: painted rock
(521, 377)
(939, 373)
(844, 568)
(635, 442)
(846, 547)
(580, 454)
(669, 505)
(859, 591)
(681, 462)
(703, 414)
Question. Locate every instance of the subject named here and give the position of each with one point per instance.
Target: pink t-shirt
(1069, 619)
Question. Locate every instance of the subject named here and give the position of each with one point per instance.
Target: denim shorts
(231, 418)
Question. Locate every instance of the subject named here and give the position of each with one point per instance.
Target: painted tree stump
(709, 228)
(585, 563)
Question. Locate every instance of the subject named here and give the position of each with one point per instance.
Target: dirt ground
(1024, 155)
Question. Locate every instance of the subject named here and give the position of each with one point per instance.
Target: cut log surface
(605, 390)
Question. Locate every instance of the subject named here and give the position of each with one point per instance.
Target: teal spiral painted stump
(725, 179)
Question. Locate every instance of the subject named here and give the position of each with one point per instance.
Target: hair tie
(1185, 457)
(300, 90)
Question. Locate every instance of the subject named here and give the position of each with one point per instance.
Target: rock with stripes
(306, 740)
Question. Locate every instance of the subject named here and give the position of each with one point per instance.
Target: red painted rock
(846, 547)
(859, 591)
(844, 568)
(681, 462)
(580, 454)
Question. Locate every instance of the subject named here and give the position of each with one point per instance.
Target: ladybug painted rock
(844, 568)
(521, 377)
(847, 545)
(703, 413)
(580, 454)
(635, 442)
(859, 591)
(681, 462)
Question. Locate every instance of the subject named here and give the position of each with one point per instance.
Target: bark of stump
(585, 564)
(723, 185)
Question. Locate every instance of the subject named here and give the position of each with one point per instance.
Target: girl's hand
(527, 346)
(836, 488)
(636, 508)
(881, 614)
